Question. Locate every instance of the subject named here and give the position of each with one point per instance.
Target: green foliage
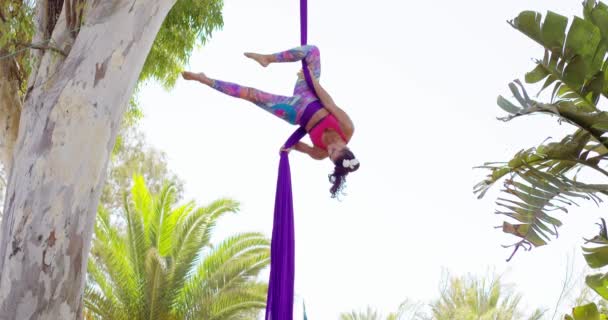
(407, 310)
(472, 298)
(190, 22)
(596, 257)
(542, 181)
(368, 314)
(164, 267)
(133, 113)
(462, 298)
(536, 181)
(16, 30)
(133, 156)
(573, 58)
(586, 312)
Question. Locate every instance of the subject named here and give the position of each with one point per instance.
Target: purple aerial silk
(279, 302)
(303, 40)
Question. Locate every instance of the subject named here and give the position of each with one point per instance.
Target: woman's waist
(313, 115)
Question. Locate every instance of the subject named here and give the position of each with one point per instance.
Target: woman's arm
(329, 104)
(313, 152)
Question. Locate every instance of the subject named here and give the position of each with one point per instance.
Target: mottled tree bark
(69, 121)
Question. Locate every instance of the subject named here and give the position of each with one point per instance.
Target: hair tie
(346, 163)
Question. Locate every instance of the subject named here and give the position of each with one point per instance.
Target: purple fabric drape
(279, 302)
(304, 39)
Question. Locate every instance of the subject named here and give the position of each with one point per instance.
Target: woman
(329, 127)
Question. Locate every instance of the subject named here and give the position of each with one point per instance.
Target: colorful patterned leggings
(291, 108)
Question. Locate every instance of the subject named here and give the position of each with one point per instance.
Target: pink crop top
(316, 133)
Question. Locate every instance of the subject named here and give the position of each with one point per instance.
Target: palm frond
(157, 275)
(96, 278)
(200, 220)
(193, 233)
(536, 180)
(169, 228)
(101, 306)
(160, 212)
(233, 248)
(556, 157)
(109, 263)
(243, 299)
(593, 122)
(164, 220)
(142, 202)
(240, 270)
(137, 245)
(530, 197)
(236, 261)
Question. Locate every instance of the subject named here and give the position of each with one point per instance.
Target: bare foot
(260, 58)
(201, 77)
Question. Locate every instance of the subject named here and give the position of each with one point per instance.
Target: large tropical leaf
(594, 122)
(574, 56)
(586, 312)
(541, 181)
(596, 255)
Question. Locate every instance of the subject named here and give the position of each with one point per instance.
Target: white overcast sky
(420, 80)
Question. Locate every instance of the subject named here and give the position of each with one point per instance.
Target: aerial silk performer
(328, 126)
(330, 130)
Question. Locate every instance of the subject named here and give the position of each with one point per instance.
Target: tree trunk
(67, 131)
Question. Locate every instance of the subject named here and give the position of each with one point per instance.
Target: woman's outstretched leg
(309, 52)
(281, 106)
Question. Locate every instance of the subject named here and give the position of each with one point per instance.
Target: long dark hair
(344, 164)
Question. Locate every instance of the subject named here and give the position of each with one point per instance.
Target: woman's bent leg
(309, 53)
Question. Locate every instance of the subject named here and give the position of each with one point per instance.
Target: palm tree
(471, 298)
(163, 266)
(462, 298)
